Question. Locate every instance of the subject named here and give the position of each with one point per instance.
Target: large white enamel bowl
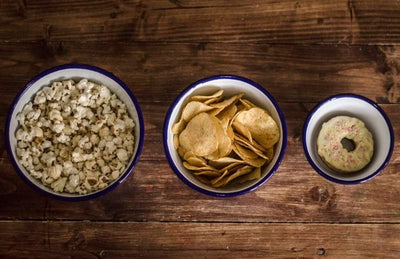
(231, 85)
(75, 72)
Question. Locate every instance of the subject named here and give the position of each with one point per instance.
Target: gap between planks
(282, 223)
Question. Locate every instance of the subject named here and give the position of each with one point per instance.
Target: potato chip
(226, 115)
(225, 180)
(176, 141)
(270, 153)
(255, 174)
(189, 154)
(232, 167)
(246, 144)
(203, 179)
(230, 133)
(200, 135)
(219, 107)
(193, 108)
(181, 151)
(210, 174)
(213, 100)
(223, 161)
(233, 99)
(241, 139)
(248, 156)
(224, 141)
(204, 98)
(196, 161)
(198, 168)
(243, 130)
(229, 129)
(247, 104)
(216, 180)
(261, 125)
(243, 152)
(178, 126)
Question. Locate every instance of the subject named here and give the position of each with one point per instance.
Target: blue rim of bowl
(373, 104)
(216, 193)
(111, 186)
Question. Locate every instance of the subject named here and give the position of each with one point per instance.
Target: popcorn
(46, 179)
(58, 186)
(57, 127)
(105, 170)
(39, 99)
(63, 138)
(46, 144)
(122, 154)
(36, 174)
(94, 139)
(48, 158)
(55, 171)
(37, 131)
(55, 115)
(75, 137)
(115, 174)
(22, 134)
(84, 100)
(105, 131)
(110, 147)
(104, 93)
(74, 180)
(33, 115)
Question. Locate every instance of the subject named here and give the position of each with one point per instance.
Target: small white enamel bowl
(75, 72)
(231, 85)
(375, 120)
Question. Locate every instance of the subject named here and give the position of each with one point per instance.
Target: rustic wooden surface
(300, 51)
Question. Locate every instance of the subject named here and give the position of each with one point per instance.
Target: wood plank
(197, 240)
(337, 22)
(374, 22)
(153, 192)
(300, 51)
(159, 72)
(177, 21)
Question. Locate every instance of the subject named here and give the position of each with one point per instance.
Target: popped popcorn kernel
(75, 137)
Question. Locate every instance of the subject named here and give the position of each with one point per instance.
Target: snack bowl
(75, 72)
(231, 85)
(374, 118)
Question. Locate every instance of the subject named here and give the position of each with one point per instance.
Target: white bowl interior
(76, 74)
(230, 87)
(362, 110)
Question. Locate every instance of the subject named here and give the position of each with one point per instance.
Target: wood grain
(337, 22)
(296, 193)
(297, 76)
(300, 51)
(200, 240)
(158, 72)
(374, 22)
(177, 21)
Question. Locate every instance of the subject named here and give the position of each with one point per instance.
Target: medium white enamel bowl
(75, 72)
(375, 120)
(231, 85)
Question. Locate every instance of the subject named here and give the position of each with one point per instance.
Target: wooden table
(300, 51)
